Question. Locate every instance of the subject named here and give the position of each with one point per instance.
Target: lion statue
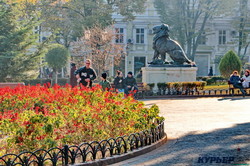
(163, 44)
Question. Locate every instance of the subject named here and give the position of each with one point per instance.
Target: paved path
(201, 128)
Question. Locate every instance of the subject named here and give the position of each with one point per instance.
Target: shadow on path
(202, 149)
(233, 98)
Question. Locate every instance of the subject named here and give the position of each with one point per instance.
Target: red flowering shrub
(34, 117)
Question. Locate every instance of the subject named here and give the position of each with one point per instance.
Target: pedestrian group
(86, 75)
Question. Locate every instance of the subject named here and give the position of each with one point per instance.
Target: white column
(62, 73)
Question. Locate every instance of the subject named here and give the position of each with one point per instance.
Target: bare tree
(188, 19)
(242, 25)
(98, 45)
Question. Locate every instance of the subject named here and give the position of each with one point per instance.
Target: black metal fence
(86, 151)
(211, 92)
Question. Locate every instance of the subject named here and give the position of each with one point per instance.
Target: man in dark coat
(130, 83)
(73, 80)
(85, 75)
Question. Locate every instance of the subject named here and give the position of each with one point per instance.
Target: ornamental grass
(37, 117)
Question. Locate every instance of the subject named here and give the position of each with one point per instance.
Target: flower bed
(34, 117)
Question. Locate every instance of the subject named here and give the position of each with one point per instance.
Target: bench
(140, 86)
(231, 88)
(11, 84)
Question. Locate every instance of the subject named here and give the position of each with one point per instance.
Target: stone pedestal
(168, 74)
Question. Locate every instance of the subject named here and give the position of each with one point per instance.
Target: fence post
(40, 160)
(66, 154)
(8, 162)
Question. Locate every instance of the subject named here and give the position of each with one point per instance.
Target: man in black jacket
(85, 75)
(130, 83)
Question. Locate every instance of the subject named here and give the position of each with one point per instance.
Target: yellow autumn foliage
(33, 1)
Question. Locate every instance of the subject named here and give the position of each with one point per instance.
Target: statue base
(160, 63)
(168, 73)
(172, 65)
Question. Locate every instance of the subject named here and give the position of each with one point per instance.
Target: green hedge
(212, 80)
(61, 81)
(183, 85)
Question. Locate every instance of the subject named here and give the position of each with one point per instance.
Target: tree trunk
(55, 76)
(240, 36)
(201, 30)
(243, 15)
(189, 46)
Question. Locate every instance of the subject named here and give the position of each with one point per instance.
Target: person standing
(86, 75)
(130, 83)
(104, 82)
(210, 72)
(139, 76)
(236, 81)
(119, 82)
(73, 80)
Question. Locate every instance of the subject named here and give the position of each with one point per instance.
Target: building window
(139, 62)
(36, 29)
(222, 36)
(140, 35)
(202, 39)
(119, 35)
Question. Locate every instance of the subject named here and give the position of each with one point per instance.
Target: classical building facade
(136, 36)
(222, 38)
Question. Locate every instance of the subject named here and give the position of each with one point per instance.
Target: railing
(210, 92)
(86, 151)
